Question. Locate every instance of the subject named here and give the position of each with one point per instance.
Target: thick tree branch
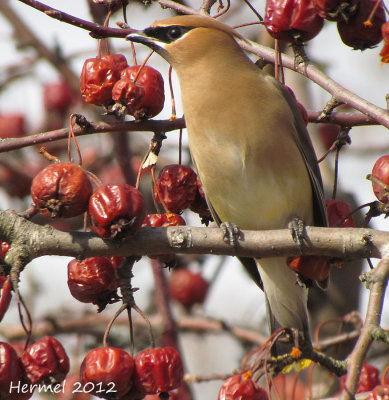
(36, 240)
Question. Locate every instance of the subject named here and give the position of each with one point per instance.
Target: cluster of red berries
(108, 81)
(369, 381)
(43, 362)
(359, 22)
(112, 373)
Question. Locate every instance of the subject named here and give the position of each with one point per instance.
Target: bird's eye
(175, 32)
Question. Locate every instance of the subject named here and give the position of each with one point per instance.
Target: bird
(250, 147)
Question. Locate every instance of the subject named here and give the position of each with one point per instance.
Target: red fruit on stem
(359, 32)
(187, 287)
(239, 387)
(5, 296)
(109, 371)
(45, 361)
(128, 93)
(328, 133)
(337, 211)
(368, 379)
(158, 370)
(58, 96)
(93, 280)
(61, 190)
(116, 210)
(311, 267)
(380, 171)
(12, 125)
(335, 10)
(98, 76)
(154, 97)
(292, 20)
(10, 369)
(176, 187)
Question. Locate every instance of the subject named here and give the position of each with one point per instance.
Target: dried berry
(58, 96)
(187, 287)
(368, 379)
(164, 220)
(328, 133)
(239, 387)
(110, 371)
(10, 369)
(12, 125)
(154, 97)
(70, 392)
(311, 267)
(116, 210)
(93, 280)
(98, 77)
(176, 187)
(359, 32)
(61, 190)
(380, 172)
(45, 361)
(129, 94)
(337, 211)
(292, 20)
(385, 50)
(158, 370)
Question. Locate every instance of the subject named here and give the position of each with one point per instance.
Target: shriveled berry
(129, 94)
(12, 125)
(337, 211)
(93, 280)
(10, 369)
(154, 97)
(110, 370)
(360, 33)
(368, 379)
(61, 190)
(187, 287)
(98, 76)
(335, 10)
(58, 96)
(311, 267)
(239, 387)
(158, 370)
(69, 391)
(176, 187)
(328, 133)
(116, 210)
(380, 172)
(45, 361)
(164, 220)
(292, 20)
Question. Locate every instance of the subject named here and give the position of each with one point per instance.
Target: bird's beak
(141, 37)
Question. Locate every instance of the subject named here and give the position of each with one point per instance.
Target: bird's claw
(297, 229)
(231, 233)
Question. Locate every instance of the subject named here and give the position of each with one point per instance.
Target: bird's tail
(286, 298)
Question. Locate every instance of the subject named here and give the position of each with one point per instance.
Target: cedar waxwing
(249, 144)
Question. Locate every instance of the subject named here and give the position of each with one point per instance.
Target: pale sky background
(233, 297)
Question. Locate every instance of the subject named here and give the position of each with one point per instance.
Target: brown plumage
(249, 144)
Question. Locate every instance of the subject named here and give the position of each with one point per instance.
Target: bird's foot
(231, 233)
(297, 229)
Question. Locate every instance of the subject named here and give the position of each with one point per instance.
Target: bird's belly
(253, 190)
